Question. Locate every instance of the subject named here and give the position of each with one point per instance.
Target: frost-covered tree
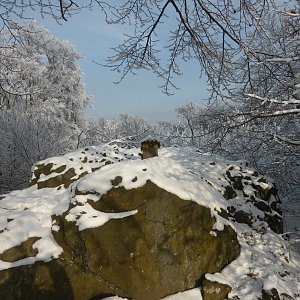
(36, 67)
(41, 100)
(189, 114)
(28, 136)
(266, 110)
(269, 90)
(127, 128)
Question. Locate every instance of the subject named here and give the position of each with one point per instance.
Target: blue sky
(136, 95)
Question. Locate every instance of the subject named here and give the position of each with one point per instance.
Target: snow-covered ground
(265, 260)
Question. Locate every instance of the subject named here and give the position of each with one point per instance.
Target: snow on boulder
(182, 225)
(161, 246)
(61, 171)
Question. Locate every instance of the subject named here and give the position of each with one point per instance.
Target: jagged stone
(39, 170)
(229, 193)
(212, 290)
(275, 222)
(263, 206)
(48, 281)
(270, 295)
(149, 148)
(166, 247)
(242, 217)
(236, 180)
(116, 181)
(264, 193)
(276, 205)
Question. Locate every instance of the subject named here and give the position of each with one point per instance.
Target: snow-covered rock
(101, 222)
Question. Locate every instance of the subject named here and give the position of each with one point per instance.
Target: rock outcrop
(139, 229)
(149, 148)
(58, 172)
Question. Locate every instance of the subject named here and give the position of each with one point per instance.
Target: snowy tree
(225, 37)
(98, 131)
(41, 100)
(127, 128)
(37, 67)
(270, 83)
(189, 114)
(27, 137)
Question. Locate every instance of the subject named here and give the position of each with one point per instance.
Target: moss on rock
(21, 251)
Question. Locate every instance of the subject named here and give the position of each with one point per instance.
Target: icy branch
(276, 101)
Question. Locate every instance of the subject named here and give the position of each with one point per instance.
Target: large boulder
(163, 248)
